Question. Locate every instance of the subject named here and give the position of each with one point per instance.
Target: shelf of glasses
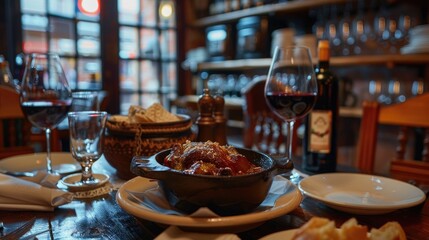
(289, 6)
(236, 103)
(249, 64)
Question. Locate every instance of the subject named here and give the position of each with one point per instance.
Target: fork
(17, 233)
(1, 228)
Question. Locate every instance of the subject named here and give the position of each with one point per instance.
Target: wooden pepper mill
(205, 121)
(220, 120)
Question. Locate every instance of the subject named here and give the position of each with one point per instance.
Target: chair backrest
(16, 136)
(9, 109)
(263, 130)
(411, 114)
(14, 129)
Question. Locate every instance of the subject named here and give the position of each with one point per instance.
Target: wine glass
(45, 95)
(291, 87)
(85, 101)
(86, 141)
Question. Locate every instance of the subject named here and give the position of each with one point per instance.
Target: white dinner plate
(283, 205)
(283, 235)
(62, 162)
(361, 193)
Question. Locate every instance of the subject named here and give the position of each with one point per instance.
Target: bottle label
(320, 131)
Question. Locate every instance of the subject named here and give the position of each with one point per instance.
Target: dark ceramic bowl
(225, 195)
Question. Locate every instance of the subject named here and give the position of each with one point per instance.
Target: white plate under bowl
(62, 162)
(361, 193)
(283, 235)
(283, 205)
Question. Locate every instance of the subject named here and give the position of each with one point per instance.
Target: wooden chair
(15, 130)
(263, 130)
(414, 113)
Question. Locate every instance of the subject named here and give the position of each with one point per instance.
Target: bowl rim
(152, 159)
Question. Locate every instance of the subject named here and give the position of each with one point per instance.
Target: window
(69, 28)
(147, 45)
(147, 50)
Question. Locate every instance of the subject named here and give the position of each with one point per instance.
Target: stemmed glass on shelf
(291, 88)
(45, 95)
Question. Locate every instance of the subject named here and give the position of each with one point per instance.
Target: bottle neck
(324, 55)
(323, 64)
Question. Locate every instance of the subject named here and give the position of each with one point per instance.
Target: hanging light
(89, 7)
(166, 10)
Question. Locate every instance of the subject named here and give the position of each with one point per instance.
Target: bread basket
(124, 140)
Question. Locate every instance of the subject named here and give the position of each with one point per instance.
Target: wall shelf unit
(249, 64)
(285, 7)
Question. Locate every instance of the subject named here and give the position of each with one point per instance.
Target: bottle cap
(323, 50)
(323, 44)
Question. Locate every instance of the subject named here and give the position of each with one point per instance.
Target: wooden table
(102, 218)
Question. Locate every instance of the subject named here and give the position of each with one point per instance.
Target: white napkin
(174, 233)
(29, 194)
(44, 178)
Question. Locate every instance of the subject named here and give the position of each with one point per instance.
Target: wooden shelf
(236, 103)
(381, 60)
(292, 6)
(240, 64)
(350, 112)
(248, 64)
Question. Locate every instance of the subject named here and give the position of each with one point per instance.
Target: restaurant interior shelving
(359, 70)
(385, 61)
(282, 7)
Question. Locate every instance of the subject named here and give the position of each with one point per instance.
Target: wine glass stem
(87, 174)
(48, 150)
(289, 138)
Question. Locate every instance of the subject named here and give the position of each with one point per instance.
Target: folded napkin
(44, 178)
(32, 193)
(174, 233)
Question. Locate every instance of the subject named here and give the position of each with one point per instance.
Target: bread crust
(318, 228)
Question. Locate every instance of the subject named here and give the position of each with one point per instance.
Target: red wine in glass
(46, 114)
(291, 105)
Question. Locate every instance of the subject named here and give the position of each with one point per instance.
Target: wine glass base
(73, 182)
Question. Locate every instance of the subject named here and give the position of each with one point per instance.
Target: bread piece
(317, 229)
(322, 228)
(133, 111)
(155, 113)
(389, 231)
(351, 230)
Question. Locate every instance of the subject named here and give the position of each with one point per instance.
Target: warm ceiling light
(166, 10)
(89, 7)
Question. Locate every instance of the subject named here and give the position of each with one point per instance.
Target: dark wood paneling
(110, 54)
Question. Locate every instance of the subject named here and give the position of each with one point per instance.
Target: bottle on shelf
(320, 139)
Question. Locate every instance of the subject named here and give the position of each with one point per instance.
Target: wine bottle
(320, 139)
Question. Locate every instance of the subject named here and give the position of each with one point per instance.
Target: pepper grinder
(205, 120)
(220, 120)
